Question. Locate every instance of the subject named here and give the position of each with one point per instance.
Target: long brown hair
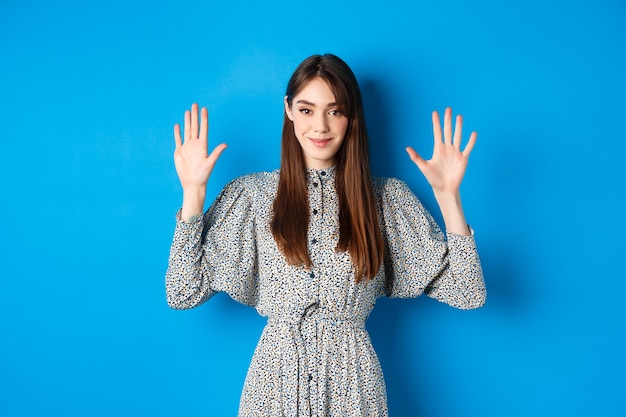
(359, 231)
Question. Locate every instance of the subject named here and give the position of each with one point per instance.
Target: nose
(320, 123)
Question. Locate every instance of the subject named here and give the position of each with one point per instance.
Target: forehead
(315, 91)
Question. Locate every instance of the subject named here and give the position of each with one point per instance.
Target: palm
(193, 164)
(445, 170)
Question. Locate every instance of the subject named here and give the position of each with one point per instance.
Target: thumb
(217, 151)
(416, 158)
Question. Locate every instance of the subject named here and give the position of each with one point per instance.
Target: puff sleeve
(216, 252)
(419, 258)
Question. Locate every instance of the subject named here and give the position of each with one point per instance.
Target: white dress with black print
(315, 357)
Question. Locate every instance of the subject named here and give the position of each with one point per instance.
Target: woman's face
(318, 123)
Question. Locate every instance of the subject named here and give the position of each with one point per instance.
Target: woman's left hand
(445, 170)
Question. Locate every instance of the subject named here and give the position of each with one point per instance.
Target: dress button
(323, 173)
(314, 241)
(312, 275)
(314, 211)
(315, 184)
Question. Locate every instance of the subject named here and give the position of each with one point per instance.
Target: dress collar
(324, 173)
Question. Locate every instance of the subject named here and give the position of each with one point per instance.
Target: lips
(320, 142)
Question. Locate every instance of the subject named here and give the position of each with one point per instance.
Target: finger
(194, 121)
(177, 139)
(416, 158)
(470, 144)
(447, 126)
(204, 124)
(458, 131)
(436, 128)
(187, 130)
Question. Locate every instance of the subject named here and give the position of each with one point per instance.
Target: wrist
(452, 212)
(193, 202)
(448, 199)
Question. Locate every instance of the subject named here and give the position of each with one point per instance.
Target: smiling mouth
(320, 142)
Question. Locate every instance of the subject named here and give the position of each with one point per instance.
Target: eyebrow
(308, 103)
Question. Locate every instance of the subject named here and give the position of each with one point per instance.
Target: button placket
(315, 222)
(319, 186)
(315, 200)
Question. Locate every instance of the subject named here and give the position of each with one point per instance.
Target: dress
(314, 357)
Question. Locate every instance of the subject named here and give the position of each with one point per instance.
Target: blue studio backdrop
(89, 93)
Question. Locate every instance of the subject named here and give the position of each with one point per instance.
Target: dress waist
(317, 315)
(305, 354)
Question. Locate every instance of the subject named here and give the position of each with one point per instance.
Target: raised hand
(193, 164)
(445, 170)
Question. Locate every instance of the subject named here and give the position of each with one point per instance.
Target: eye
(305, 111)
(336, 112)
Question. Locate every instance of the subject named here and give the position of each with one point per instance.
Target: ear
(288, 110)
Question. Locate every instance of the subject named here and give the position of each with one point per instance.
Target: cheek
(297, 128)
(299, 123)
(341, 126)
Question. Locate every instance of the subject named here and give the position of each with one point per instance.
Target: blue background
(88, 97)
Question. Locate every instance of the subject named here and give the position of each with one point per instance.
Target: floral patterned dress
(314, 357)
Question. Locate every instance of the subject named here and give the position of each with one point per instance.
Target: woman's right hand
(193, 164)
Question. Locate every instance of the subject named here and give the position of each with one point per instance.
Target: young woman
(313, 245)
